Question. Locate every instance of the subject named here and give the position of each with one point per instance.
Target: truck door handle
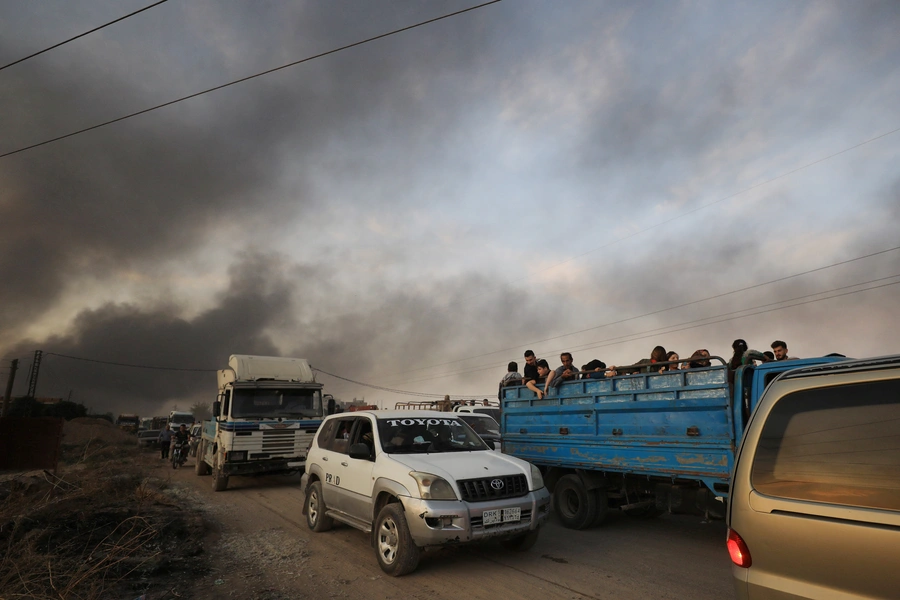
(343, 464)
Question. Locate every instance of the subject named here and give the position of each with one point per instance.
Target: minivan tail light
(738, 550)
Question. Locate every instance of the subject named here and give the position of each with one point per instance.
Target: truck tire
(576, 506)
(602, 510)
(521, 543)
(201, 468)
(220, 479)
(396, 551)
(316, 519)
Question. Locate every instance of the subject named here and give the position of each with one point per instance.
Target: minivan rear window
(839, 445)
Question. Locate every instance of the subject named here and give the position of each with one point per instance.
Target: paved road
(627, 558)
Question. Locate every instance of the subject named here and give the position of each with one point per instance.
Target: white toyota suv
(416, 479)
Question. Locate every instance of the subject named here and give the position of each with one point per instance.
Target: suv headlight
(432, 487)
(537, 480)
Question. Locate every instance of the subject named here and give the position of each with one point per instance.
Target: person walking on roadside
(165, 438)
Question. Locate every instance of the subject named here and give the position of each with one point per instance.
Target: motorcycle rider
(181, 437)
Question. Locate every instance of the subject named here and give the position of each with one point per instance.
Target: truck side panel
(676, 425)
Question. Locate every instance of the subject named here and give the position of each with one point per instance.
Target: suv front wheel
(316, 519)
(397, 553)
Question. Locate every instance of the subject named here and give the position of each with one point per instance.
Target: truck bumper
(440, 522)
(256, 467)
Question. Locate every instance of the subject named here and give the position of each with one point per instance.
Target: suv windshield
(271, 402)
(431, 435)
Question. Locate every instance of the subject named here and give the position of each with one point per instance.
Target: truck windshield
(431, 435)
(184, 419)
(272, 403)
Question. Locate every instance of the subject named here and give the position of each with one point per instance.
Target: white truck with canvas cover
(418, 479)
(265, 416)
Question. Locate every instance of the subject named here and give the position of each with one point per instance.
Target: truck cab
(264, 418)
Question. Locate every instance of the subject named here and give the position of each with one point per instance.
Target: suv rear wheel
(397, 553)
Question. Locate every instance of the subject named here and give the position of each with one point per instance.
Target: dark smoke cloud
(258, 299)
(379, 130)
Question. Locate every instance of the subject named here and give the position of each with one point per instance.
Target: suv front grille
(482, 490)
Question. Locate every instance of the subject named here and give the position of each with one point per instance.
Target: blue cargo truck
(645, 443)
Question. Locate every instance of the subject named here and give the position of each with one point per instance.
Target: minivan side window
(837, 445)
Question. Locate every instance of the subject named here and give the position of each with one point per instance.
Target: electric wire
(130, 365)
(590, 346)
(392, 390)
(248, 78)
(72, 39)
(724, 317)
(486, 289)
(655, 312)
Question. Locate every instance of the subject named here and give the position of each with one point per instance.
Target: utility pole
(33, 376)
(14, 364)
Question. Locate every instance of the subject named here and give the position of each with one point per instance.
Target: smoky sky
(415, 211)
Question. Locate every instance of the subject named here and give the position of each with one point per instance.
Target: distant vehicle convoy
(178, 418)
(128, 423)
(148, 438)
(264, 418)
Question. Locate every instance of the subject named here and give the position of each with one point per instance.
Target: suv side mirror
(491, 444)
(360, 451)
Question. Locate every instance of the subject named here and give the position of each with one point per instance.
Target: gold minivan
(814, 505)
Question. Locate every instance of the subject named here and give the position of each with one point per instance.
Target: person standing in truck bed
(530, 370)
(543, 370)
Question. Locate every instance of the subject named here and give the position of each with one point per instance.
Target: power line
(600, 343)
(656, 312)
(485, 289)
(83, 34)
(243, 79)
(130, 365)
(694, 324)
(714, 202)
(392, 390)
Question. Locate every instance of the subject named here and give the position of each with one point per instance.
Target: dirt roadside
(121, 524)
(263, 549)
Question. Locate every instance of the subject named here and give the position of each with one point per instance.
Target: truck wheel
(602, 509)
(575, 505)
(396, 551)
(201, 468)
(521, 543)
(220, 479)
(316, 519)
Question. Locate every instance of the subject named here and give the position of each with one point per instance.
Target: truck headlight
(432, 487)
(238, 456)
(537, 480)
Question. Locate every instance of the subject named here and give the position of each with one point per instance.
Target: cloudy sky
(414, 212)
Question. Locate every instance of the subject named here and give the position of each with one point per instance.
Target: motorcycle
(179, 454)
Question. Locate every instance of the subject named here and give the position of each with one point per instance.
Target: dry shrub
(91, 530)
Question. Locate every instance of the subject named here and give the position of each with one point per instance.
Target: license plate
(501, 515)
